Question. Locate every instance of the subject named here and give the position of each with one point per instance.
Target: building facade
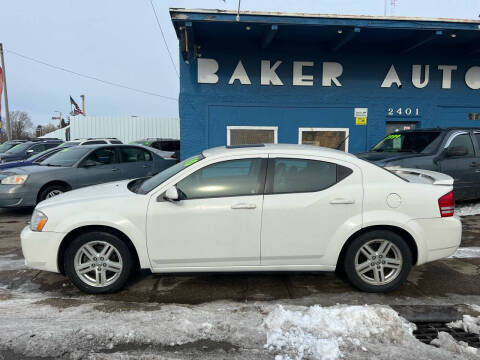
(336, 81)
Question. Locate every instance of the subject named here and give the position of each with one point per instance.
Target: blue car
(34, 160)
(28, 149)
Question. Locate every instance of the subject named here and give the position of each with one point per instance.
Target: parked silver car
(76, 167)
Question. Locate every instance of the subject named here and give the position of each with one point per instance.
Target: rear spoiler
(422, 176)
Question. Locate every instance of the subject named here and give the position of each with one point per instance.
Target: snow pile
(467, 252)
(320, 333)
(447, 342)
(467, 209)
(469, 324)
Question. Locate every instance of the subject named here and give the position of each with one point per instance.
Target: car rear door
(309, 203)
(135, 162)
(463, 167)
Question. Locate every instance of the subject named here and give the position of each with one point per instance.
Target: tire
(109, 273)
(51, 191)
(395, 263)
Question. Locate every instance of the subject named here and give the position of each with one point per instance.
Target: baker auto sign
(331, 74)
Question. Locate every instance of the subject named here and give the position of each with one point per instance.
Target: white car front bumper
(40, 249)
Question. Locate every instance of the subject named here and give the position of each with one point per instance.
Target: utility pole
(83, 104)
(7, 114)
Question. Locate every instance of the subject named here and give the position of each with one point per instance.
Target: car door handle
(342, 201)
(244, 206)
(115, 169)
(146, 166)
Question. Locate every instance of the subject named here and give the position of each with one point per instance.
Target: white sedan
(250, 208)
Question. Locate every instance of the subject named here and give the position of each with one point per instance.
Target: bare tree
(49, 128)
(22, 125)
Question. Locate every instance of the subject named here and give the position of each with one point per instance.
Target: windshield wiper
(52, 165)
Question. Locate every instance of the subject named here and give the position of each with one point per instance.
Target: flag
(1, 89)
(76, 109)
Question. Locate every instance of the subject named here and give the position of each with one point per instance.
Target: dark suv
(29, 148)
(453, 151)
(170, 145)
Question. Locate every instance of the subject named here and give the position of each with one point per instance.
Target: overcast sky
(119, 41)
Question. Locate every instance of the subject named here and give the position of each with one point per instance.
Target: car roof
(440, 129)
(288, 149)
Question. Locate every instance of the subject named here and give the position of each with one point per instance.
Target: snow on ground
(467, 252)
(467, 209)
(469, 324)
(447, 342)
(11, 262)
(35, 324)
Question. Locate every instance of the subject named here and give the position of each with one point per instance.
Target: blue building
(337, 81)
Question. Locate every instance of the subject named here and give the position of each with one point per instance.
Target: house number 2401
(403, 111)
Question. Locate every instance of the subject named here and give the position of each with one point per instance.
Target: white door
(308, 203)
(216, 222)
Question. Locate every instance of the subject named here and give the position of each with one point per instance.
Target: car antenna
(343, 141)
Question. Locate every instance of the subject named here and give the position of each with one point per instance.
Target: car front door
(459, 162)
(309, 204)
(215, 223)
(135, 162)
(100, 166)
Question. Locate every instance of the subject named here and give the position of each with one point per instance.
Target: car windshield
(19, 148)
(144, 186)
(66, 157)
(414, 142)
(41, 156)
(6, 146)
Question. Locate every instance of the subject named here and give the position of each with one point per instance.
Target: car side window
(103, 156)
(38, 148)
(223, 179)
(134, 154)
(462, 141)
(289, 175)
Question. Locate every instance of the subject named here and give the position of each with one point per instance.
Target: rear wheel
(52, 191)
(378, 261)
(98, 262)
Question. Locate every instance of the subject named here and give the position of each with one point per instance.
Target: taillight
(174, 157)
(447, 204)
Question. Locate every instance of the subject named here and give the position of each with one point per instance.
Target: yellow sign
(361, 120)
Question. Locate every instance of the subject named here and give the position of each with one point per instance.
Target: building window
(335, 138)
(394, 126)
(245, 135)
(474, 116)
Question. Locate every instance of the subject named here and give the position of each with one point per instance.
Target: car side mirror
(456, 151)
(171, 194)
(89, 163)
(30, 151)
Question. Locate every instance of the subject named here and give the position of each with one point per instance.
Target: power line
(90, 77)
(164, 40)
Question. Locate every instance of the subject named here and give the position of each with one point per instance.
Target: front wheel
(52, 191)
(378, 261)
(98, 262)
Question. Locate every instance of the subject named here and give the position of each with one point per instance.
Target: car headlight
(15, 180)
(39, 219)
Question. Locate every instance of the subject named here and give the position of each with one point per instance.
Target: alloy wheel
(378, 262)
(53, 193)
(98, 263)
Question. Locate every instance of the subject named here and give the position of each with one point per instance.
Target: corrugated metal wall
(59, 133)
(126, 128)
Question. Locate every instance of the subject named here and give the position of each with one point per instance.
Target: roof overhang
(329, 32)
